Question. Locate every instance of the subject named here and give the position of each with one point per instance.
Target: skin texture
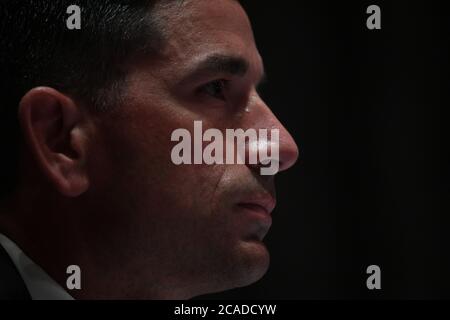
(100, 190)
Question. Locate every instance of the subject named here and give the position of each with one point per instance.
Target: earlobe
(52, 125)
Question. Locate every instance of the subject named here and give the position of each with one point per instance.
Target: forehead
(195, 28)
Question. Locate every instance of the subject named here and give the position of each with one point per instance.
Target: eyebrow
(215, 64)
(232, 65)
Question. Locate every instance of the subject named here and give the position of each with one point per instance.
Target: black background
(368, 111)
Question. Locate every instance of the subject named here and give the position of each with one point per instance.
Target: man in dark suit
(92, 204)
(12, 285)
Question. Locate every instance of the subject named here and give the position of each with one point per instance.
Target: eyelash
(216, 89)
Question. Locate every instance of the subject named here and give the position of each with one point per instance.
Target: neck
(59, 233)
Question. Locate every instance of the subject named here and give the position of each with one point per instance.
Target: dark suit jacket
(12, 286)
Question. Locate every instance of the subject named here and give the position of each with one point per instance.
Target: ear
(52, 126)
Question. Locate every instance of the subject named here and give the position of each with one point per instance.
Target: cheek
(195, 190)
(137, 159)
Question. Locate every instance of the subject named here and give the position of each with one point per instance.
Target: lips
(262, 204)
(258, 210)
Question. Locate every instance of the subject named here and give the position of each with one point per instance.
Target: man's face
(196, 227)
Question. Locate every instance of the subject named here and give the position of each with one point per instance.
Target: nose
(288, 151)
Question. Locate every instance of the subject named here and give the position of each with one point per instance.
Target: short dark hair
(37, 49)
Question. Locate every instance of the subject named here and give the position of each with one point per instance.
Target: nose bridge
(265, 119)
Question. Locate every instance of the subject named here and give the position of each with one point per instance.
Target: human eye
(216, 89)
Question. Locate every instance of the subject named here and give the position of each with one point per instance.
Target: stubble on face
(179, 224)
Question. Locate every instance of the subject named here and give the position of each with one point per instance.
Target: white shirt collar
(40, 285)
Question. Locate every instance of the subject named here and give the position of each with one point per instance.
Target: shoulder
(12, 286)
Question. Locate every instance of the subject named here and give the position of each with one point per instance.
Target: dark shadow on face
(138, 225)
(183, 230)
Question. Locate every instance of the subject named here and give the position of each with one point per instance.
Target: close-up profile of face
(202, 225)
(223, 150)
(111, 198)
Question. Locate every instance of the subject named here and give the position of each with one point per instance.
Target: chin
(243, 266)
(252, 264)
